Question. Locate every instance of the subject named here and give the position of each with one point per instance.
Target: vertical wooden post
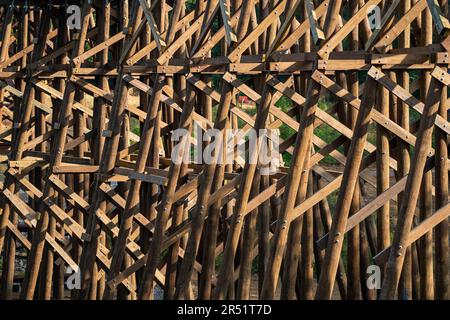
(426, 198)
(441, 237)
(108, 159)
(350, 177)
(210, 169)
(408, 205)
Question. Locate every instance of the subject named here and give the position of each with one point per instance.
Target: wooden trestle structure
(90, 183)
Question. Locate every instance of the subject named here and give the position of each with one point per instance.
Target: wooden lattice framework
(90, 183)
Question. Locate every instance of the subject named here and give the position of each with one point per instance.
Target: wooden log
(396, 257)
(334, 246)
